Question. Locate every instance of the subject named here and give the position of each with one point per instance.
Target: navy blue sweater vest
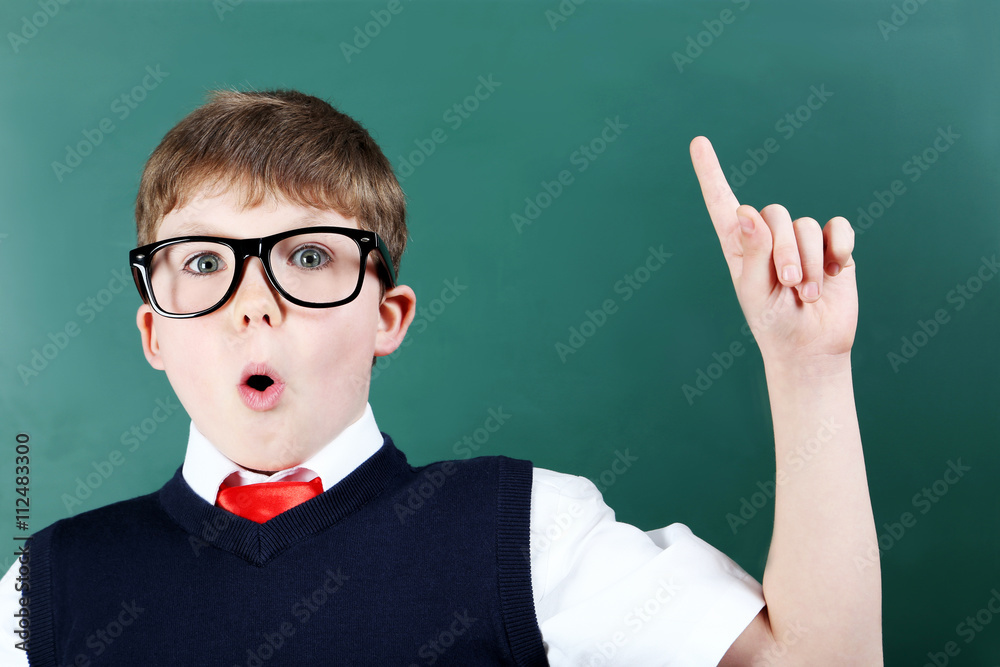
(394, 565)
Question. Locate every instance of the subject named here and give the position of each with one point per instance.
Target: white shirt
(605, 592)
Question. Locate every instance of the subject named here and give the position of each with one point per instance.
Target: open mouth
(260, 387)
(259, 382)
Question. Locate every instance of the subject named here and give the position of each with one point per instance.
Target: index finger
(719, 197)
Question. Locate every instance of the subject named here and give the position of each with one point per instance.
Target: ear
(395, 314)
(147, 330)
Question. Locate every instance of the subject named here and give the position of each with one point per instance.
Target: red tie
(260, 502)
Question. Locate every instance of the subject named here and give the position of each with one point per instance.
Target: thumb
(758, 270)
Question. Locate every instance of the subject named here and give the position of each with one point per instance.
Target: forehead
(222, 213)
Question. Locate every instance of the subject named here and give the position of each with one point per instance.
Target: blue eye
(309, 257)
(205, 264)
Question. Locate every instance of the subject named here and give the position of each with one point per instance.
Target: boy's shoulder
(107, 521)
(505, 468)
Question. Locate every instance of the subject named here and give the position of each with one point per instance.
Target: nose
(256, 302)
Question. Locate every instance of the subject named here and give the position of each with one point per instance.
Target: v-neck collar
(258, 543)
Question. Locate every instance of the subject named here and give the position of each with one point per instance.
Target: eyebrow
(315, 220)
(194, 229)
(197, 228)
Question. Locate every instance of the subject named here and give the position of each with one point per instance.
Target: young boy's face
(320, 358)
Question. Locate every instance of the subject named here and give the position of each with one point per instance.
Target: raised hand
(795, 281)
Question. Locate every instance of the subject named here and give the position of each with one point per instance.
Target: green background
(495, 345)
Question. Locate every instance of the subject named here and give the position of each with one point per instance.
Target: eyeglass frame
(243, 249)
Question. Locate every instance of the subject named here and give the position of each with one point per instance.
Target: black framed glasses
(315, 267)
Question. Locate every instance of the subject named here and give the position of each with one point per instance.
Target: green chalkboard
(885, 113)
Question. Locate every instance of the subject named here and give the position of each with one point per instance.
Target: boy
(270, 231)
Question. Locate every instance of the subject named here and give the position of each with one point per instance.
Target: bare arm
(822, 605)
(822, 590)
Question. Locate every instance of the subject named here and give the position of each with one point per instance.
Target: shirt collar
(205, 467)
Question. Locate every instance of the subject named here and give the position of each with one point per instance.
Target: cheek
(184, 348)
(189, 347)
(344, 342)
(190, 337)
(193, 370)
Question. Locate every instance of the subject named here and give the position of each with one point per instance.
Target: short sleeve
(607, 593)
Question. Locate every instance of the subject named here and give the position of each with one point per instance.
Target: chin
(266, 463)
(258, 446)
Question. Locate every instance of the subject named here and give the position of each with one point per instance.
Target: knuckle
(774, 209)
(788, 251)
(806, 224)
(840, 223)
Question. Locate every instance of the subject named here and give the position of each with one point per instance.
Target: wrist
(808, 369)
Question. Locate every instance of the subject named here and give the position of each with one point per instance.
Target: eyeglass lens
(193, 276)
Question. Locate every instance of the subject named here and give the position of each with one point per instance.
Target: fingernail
(746, 224)
(790, 274)
(810, 291)
(833, 268)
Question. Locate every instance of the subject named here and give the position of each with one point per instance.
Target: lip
(260, 401)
